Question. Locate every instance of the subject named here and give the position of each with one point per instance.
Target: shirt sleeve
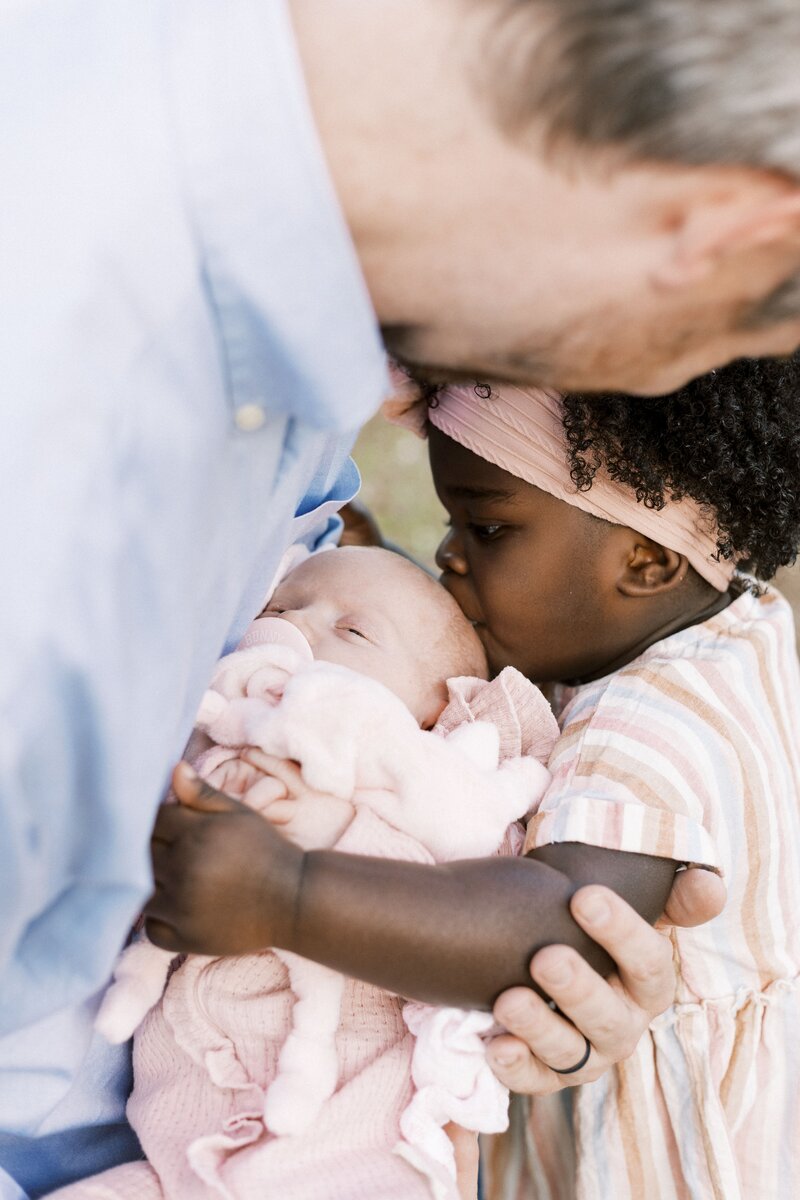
(633, 771)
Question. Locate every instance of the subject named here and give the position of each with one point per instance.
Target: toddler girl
(578, 547)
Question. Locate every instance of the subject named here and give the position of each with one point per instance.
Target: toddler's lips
(273, 631)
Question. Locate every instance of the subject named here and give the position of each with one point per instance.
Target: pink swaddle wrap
(267, 1074)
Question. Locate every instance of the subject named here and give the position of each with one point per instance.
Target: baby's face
(373, 612)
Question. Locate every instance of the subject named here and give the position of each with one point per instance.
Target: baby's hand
(243, 781)
(311, 819)
(226, 881)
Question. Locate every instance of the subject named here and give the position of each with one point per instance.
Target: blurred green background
(398, 489)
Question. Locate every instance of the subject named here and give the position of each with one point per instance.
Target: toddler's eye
(485, 533)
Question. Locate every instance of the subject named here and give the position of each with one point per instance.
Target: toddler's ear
(651, 569)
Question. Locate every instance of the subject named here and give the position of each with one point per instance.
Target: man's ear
(734, 212)
(652, 570)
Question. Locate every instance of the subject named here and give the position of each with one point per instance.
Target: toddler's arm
(454, 934)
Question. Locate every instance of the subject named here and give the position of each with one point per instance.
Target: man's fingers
(193, 792)
(597, 1009)
(642, 954)
(515, 1066)
(697, 896)
(465, 1145)
(528, 1017)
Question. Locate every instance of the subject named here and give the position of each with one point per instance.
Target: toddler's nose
(450, 554)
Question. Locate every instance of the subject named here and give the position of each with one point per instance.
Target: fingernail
(594, 909)
(505, 1058)
(560, 974)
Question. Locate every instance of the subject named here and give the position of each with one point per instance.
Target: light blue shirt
(187, 349)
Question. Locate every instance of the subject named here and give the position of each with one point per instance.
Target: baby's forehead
(358, 572)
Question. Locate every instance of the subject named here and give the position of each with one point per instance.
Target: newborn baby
(268, 1071)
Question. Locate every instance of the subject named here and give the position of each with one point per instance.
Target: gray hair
(690, 81)
(693, 81)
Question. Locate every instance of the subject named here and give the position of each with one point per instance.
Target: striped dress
(691, 752)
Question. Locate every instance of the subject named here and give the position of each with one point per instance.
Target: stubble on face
(615, 352)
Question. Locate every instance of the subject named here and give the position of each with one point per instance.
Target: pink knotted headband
(520, 430)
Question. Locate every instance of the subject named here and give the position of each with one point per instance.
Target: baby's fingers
(279, 812)
(284, 769)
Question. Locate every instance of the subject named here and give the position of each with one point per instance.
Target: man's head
(592, 194)
(377, 613)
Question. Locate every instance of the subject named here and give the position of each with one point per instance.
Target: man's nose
(450, 554)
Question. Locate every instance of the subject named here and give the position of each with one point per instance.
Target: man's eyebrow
(469, 491)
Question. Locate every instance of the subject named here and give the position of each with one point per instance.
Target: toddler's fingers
(193, 792)
(171, 821)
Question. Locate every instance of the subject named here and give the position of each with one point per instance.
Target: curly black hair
(730, 440)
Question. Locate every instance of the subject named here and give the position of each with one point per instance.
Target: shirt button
(249, 417)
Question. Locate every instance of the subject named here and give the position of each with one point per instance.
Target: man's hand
(613, 1014)
(226, 881)
(697, 896)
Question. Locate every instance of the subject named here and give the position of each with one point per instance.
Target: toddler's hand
(226, 880)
